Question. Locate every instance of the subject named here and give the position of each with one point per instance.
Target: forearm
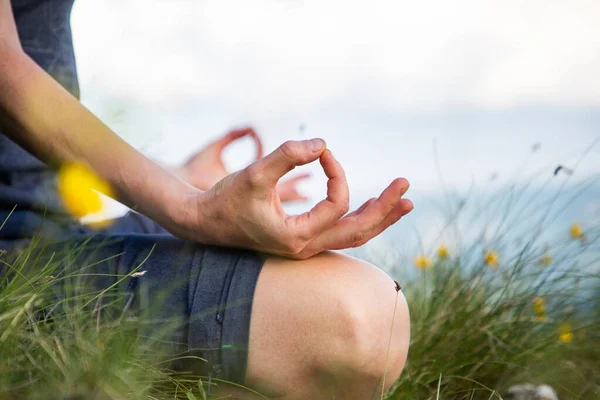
(37, 113)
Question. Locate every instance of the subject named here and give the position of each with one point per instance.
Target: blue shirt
(45, 33)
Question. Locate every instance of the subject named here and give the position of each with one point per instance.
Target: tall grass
(61, 340)
(476, 327)
(480, 324)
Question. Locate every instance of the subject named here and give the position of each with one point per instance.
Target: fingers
(286, 157)
(388, 199)
(403, 207)
(259, 145)
(368, 221)
(362, 208)
(331, 209)
(233, 135)
(236, 134)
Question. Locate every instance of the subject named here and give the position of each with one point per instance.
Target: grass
(472, 335)
(529, 313)
(477, 328)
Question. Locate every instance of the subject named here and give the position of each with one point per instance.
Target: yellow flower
(491, 258)
(443, 252)
(78, 188)
(576, 231)
(539, 306)
(565, 333)
(546, 259)
(422, 261)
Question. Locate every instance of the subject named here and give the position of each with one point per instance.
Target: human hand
(244, 209)
(205, 168)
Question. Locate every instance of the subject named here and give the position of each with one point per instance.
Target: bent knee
(376, 319)
(328, 321)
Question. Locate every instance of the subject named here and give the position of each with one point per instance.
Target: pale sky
(380, 81)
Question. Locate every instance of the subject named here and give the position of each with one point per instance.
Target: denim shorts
(210, 289)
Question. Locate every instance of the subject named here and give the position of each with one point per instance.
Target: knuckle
(341, 208)
(294, 249)
(358, 239)
(293, 246)
(304, 235)
(345, 206)
(254, 175)
(289, 150)
(302, 256)
(361, 243)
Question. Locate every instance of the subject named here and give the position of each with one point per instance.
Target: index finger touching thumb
(289, 155)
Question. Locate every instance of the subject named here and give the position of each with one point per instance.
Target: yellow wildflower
(546, 259)
(78, 188)
(576, 231)
(443, 252)
(539, 305)
(565, 333)
(491, 258)
(422, 261)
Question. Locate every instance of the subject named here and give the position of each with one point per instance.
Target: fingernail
(316, 145)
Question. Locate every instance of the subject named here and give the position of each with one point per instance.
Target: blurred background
(490, 109)
(463, 98)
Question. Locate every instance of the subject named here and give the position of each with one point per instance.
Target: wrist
(180, 172)
(184, 219)
(166, 198)
(196, 179)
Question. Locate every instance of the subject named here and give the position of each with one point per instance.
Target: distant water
(470, 155)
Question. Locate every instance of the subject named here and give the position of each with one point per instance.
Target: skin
(37, 113)
(319, 327)
(206, 168)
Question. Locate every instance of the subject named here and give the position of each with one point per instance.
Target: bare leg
(320, 328)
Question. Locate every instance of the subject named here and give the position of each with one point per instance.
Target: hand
(244, 209)
(206, 167)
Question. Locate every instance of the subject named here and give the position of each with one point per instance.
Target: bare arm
(8, 29)
(37, 113)
(241, 210)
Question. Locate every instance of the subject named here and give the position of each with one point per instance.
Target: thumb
(287, 156)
